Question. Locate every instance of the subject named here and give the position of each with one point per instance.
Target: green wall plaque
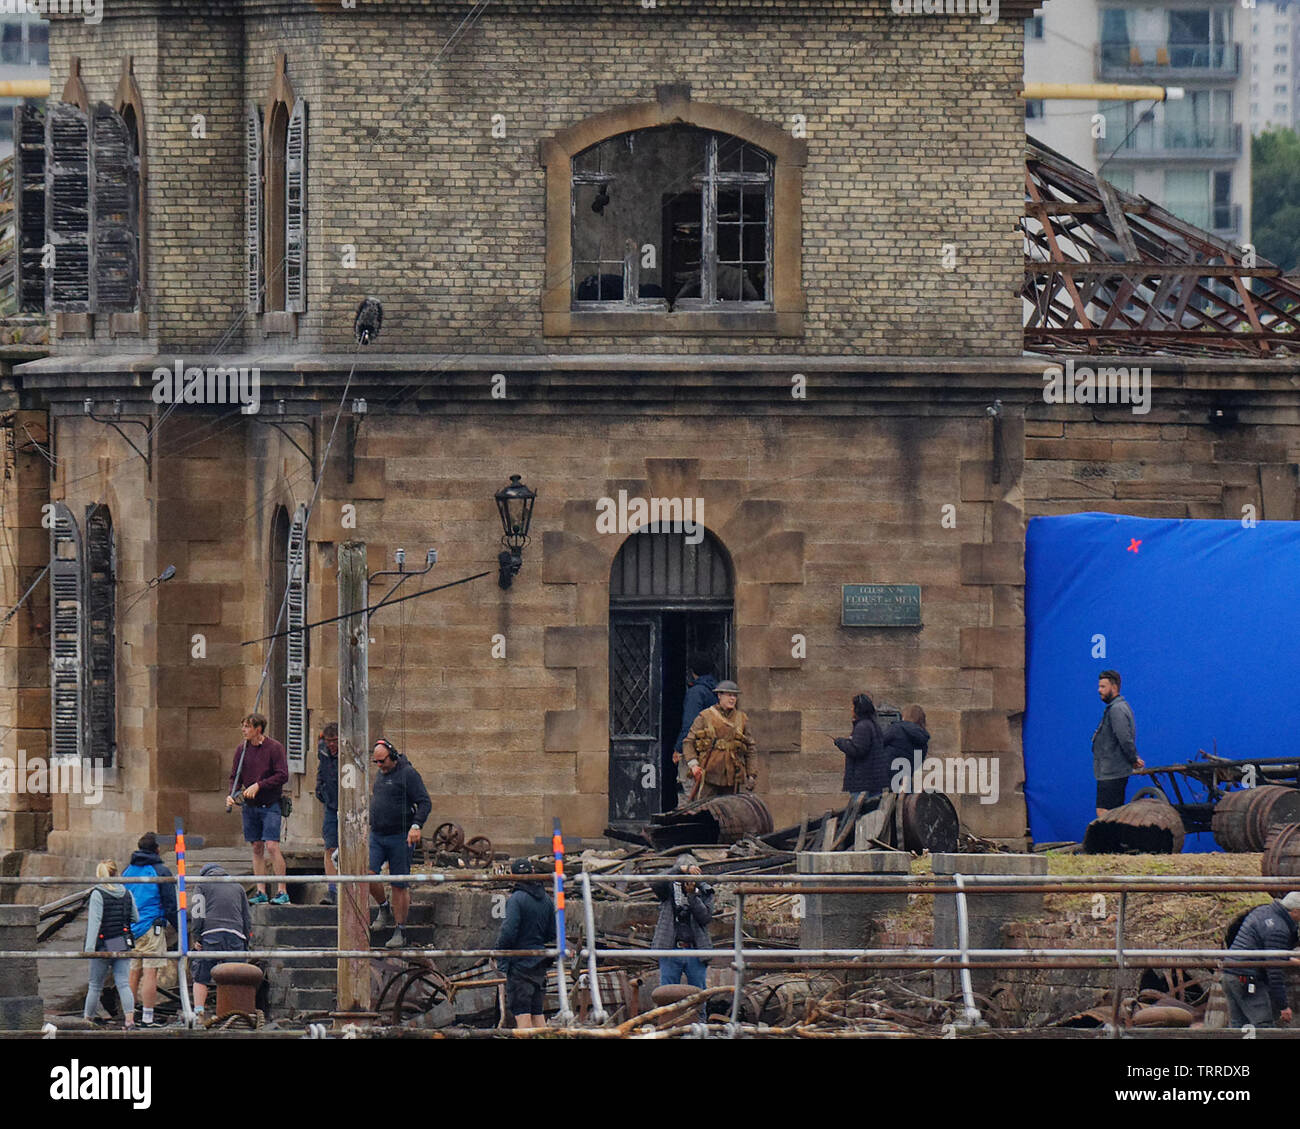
(881, 605)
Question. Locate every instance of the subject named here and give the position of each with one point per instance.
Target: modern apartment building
(1274, 44)
(1190, 154)
(24, 53)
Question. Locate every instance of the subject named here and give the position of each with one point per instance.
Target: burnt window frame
(709, 183)
(781, 315)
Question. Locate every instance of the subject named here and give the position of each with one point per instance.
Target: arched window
(129, 105)
(674, 217)
(276, 153)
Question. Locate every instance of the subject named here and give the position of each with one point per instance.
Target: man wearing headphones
(398, 808)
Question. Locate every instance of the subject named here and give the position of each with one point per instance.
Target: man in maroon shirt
(264, 771)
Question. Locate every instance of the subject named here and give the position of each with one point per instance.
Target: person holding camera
(110, 913)
(529, 924)
(157, 910)
(260, 772)
(684, 914)
(399, 806)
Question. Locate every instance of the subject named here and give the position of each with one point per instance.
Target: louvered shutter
(67, 736)
(116, 215)
(29, 204)
(68, 175)
(296, 649)
(100, 620)
(253, 209)
(295, 211)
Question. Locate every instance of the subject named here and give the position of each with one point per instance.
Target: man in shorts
(157, 906)
(529, 924)
(222, 924)
(260, 770)
(399, 807)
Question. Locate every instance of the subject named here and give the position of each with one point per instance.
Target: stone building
(761, 257)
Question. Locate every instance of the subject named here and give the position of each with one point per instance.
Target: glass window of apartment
(1280, 49)
(1034, 27)
(1035, 109)
(1224, 218)
(38, 43)
(1279, 108)
(11, 42)
(1280, 68)
(1121, 179)
(1187, 195)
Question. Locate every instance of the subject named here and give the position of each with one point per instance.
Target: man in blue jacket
(327, 792)
(529, 924)
(700, 695)
(157, 906)
(1257, 996)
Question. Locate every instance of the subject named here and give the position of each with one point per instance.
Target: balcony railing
(1168, 60)
(1211, 141)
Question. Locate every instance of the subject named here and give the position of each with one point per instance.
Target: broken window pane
(647, 205)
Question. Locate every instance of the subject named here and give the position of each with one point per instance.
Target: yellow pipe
(25, 88)
(1091, 91)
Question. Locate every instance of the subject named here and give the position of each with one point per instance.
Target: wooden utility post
(354, 794)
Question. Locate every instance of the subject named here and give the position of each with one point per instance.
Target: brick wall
(448, 222)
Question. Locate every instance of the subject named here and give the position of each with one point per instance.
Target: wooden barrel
(930, 822)
(1282, 858)
(1274, 806)
(1140, 827)
(1242, 819)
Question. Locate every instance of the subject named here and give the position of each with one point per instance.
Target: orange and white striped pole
(182, 928)
(557, 845)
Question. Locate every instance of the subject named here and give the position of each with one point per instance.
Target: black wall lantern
(515, 504)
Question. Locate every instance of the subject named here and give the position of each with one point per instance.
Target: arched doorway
(668, 600)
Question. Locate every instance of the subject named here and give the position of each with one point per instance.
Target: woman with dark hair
(904, 739)
(865, 767)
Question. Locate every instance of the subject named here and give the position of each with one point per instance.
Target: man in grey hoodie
(221, 922)
(1114, 745)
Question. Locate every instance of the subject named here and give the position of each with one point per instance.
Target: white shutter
(295, 210)
(69, 174)
(296, 652)
(253, 208)
(67, 636)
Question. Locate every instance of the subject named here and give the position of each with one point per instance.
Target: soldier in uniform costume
(719, 749)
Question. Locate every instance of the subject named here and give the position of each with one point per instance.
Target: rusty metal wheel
(448, 838)
(478, 851)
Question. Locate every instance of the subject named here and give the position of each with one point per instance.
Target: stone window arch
(670, 217)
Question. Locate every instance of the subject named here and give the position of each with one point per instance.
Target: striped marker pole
(557, 845)
(182, 928)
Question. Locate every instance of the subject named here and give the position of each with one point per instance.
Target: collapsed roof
(1110, 272)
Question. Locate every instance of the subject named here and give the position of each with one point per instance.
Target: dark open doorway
(669, 600)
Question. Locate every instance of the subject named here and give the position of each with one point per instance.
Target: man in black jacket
(222, 923)
(327, 792)
(529, 924)
(1257, 996)
(399, 807)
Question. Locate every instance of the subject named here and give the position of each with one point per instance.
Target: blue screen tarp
(1200, 618)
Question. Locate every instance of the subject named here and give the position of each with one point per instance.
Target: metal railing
(1155, 58)
(962, 959)
(1202, 140)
